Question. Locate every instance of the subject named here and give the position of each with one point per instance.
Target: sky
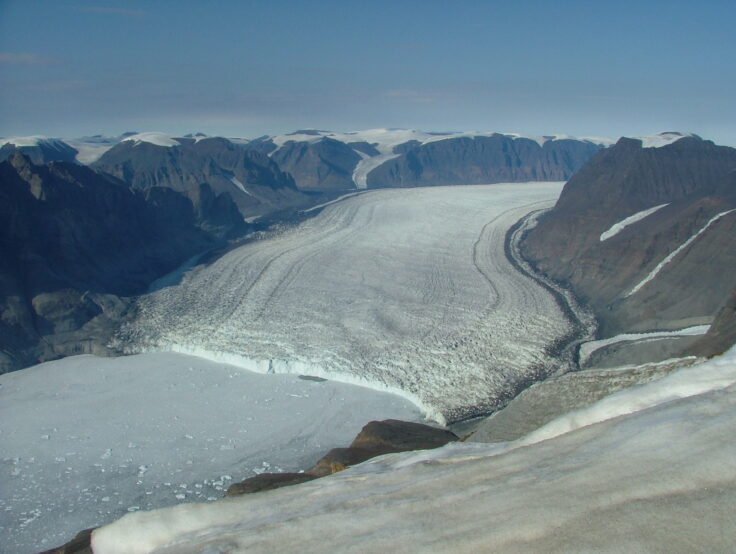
(248, 68)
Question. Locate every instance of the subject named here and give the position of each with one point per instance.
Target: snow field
(400, 289)
(86, 439)
(624, 475)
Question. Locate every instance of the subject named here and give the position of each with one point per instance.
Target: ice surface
(154, 137)
(616, 228)
(662, 139)
(648, 469)
(671, 255)
(33, 140)
(86, 439)
(587, 348)
(403, 290)
(91, 149)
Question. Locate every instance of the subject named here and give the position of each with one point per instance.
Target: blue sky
(247, 68)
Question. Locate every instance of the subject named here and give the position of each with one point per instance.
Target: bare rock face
(327, 164)
(722, 333)
(481, 160)
(74, 243)
(671, 269)
(318, 166)
(253, 181)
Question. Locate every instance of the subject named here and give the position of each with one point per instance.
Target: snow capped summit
(384, 138)
(39, 148)
(33, 140)
(154, 137)
(354, 155)
(663, 139)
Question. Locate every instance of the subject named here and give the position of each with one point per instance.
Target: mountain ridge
(640, 279)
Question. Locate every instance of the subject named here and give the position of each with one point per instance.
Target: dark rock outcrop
(393, 435)
(323, 165)
(74, 242)
(696, 179)
(375, 439)
(255, 182)
(268, 481)
(722, 333)
(479, 160)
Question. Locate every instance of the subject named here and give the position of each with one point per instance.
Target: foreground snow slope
(407, 290)
(86, 439)
(651, 468)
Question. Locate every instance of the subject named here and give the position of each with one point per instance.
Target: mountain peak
(665, 138)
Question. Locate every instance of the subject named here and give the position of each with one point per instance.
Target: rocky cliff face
(479, 160)
(674, 264)
(324, 165)
(326, 161)
(255, 183)
(73, 241)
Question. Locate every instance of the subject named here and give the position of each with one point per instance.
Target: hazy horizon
(247, 69)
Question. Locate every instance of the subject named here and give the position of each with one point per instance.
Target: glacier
(406, 290)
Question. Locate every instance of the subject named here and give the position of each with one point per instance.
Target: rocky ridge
(674, 266)
(376, 158)
(255, 183)
(75, 243)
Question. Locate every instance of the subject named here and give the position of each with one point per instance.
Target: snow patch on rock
(674, 253)
(616, 228)
(587, 348)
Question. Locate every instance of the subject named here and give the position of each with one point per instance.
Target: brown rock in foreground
(393, 435)
(268, 481)
(375, 439)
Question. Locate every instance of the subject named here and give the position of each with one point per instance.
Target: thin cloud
(412, 96)
(113, 11)
(24, 58)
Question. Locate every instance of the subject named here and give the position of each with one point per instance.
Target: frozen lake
(407, 290)
(87, 439)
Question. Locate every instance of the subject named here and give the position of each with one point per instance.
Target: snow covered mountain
(38, 148)
(322, 160)
(644, 233)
